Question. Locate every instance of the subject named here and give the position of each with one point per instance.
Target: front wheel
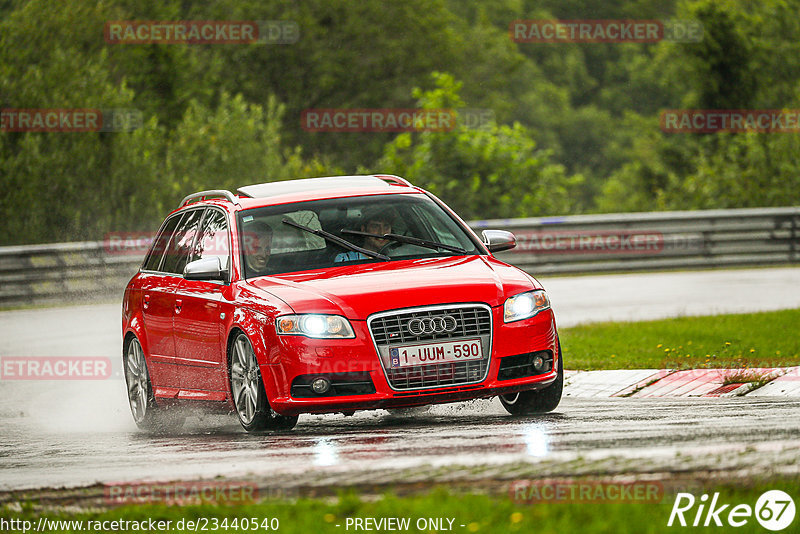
(249, 395)
(537, 401)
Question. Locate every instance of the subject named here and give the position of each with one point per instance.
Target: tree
(490, 172)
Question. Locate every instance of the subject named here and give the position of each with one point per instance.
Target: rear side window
(153, 260)
(213, 238)
(180, 245)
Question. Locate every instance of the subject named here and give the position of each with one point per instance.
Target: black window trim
(179, 215)
(227, 280)
(182, 214)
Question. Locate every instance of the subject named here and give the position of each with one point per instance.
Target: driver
(257, 247)
(375, 222)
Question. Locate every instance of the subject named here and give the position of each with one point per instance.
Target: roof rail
(393, 180)
(202, 195)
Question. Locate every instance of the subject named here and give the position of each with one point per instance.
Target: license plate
(430, 353)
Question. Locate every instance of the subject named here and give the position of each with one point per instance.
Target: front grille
(391, 329)
(438, 374)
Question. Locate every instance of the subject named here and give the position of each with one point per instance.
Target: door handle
(146, 301)
(178, 304)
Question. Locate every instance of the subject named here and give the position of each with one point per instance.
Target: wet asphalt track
(56, 434)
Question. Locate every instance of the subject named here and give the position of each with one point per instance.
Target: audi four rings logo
(432, 325)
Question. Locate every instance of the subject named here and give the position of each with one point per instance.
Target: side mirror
(205, 269)
(498, 240)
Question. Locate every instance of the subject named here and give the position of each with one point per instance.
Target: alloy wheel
(244, 379)
(137, 380)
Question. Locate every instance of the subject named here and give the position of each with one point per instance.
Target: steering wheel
(390, 247)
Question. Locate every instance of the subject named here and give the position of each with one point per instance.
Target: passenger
(257, 247)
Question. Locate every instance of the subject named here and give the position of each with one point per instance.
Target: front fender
(259, 327)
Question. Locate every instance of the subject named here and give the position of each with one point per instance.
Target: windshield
(346, 231)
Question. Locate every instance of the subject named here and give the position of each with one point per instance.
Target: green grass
(477, 513)
(768, 339)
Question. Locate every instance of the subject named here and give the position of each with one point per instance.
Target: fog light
(320, 385)
(538, 363)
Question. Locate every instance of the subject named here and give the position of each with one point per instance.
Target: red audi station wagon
(329, 295)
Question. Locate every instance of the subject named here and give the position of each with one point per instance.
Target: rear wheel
(537, 401)
(249, 395)
(146, 413)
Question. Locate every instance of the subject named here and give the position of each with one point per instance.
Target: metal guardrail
(652, 241)
(69, 272)
(63, 272)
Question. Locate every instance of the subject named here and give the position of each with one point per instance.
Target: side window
(213, 237)
(158, 247)
(180, 245)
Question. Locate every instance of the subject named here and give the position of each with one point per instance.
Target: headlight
(525, 305)
(316, 326)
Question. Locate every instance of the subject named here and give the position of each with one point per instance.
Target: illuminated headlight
(525, 305)
(316, 326)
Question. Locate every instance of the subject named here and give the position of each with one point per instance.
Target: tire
(248, 393)
(147, 414)
(537, 401)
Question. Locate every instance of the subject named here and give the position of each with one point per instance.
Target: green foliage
(73, 186)
(490, 172)
(577, 125)
(350, 55)
(234, 144)
(745, 170)
(747, 60)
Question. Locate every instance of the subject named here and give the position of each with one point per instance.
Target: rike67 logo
(774, 510)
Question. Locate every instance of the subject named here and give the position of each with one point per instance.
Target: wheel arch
(135, 328)
(253, 330)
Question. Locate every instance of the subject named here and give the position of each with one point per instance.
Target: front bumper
(300, 356)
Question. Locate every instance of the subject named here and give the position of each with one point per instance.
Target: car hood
(357, 291)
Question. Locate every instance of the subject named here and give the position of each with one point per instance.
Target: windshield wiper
(338, 240)
(410, 240)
